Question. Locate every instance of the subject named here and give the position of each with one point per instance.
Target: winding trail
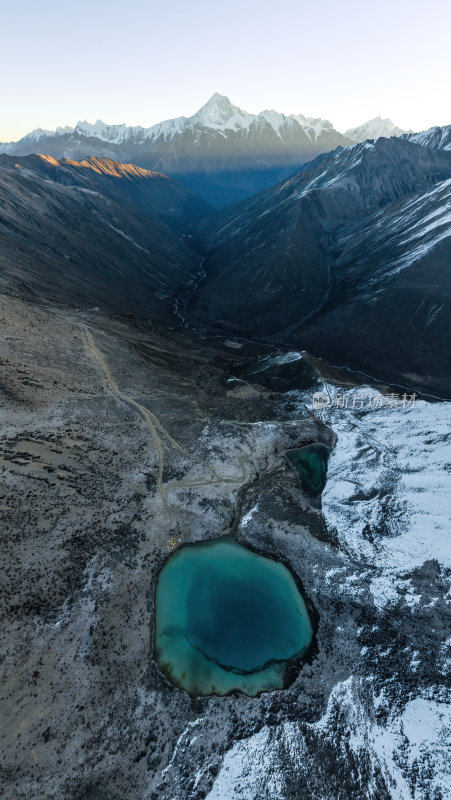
(147, 416)
(156, 428)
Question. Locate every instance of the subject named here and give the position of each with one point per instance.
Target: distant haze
(144, 62)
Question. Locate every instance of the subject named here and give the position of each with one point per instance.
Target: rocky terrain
(118, 444)
(157, 364)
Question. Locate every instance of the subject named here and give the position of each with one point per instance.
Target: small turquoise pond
(227, 619)
(310, 463)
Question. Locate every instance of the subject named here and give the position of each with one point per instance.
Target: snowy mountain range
(222, 152)
(218, 114)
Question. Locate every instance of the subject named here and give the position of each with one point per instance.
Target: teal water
(227, 618)
(310, 463)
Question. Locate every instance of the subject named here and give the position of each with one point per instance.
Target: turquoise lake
(227, 619)
(310, 464)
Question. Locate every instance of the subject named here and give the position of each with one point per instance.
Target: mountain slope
(436, 137)
(389, 305)
(150, 192)
(95, 233)
(277, 262)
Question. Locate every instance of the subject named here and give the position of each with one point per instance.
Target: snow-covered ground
(389, 482)
(388, 498)
(419, 740)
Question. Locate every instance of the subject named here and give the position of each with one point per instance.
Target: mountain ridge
(222, 153)
(96, 234)
(218, 112)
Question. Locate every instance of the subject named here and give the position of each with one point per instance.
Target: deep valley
(269, 382)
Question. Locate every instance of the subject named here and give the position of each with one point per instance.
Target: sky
(143, 62)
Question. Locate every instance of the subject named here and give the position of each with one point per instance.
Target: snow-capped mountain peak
(274, 118)
(100, 130)
(37, 135)
(314, 126)
(220, 112)
(374, 129)
(217, 108)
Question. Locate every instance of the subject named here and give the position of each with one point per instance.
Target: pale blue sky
(142, 62)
